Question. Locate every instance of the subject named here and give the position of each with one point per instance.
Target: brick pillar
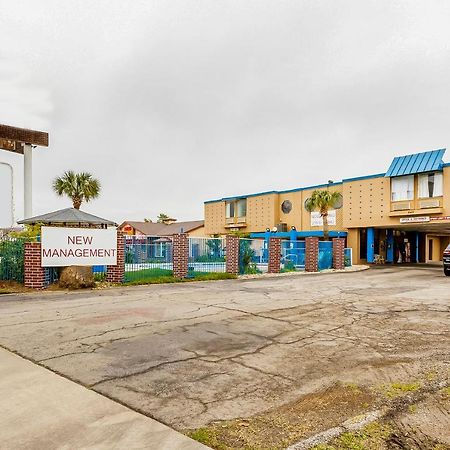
(35, 276)
(232, 249)
(338, 253)
(312, 254)
(274, 255)
(180, 255)
(115, 274)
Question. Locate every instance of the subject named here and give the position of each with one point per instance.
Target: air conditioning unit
(429, 204)
(401, 206)
(282, 227)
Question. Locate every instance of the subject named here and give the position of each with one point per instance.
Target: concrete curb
(352, 269)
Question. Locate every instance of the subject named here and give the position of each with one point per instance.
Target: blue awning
(417, 163)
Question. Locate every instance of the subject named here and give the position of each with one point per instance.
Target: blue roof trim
(416, 163)
(311, 233)
(366, 177)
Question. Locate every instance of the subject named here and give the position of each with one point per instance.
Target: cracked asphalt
(189, 354)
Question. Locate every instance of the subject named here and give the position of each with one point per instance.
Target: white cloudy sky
(170, 103)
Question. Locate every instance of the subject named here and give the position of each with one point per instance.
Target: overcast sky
(171, 103)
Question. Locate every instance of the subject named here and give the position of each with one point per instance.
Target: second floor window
(236, 208)
(430, 185)
(402, 188)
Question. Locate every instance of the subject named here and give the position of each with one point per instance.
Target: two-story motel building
(402, 215)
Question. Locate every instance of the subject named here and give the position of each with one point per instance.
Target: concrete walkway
(42, 410)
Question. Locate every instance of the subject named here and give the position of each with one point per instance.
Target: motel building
(401, 216)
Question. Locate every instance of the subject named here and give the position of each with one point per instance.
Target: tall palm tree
(323, 201)
(78, 186)
(163, 218)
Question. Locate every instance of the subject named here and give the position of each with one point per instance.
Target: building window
(236, 208)
(286, 207)
(402, 188)
(430, 185)
(159, 250)
(230, 209)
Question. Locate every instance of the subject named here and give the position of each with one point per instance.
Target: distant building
(402, 215)
(194, 228)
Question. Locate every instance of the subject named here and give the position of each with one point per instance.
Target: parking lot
(193, 354)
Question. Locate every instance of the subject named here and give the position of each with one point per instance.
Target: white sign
(414, 219)
(78, 247)
(317, 219)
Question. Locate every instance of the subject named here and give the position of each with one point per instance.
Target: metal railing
(147, 257)
(292, 256)
(253, 256)
(12, 259)
(206, 255)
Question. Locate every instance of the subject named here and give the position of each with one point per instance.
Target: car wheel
(447, 272)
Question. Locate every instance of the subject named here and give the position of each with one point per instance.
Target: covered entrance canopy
(22, 141)
(405, 243)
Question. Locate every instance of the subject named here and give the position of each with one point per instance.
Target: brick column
(312, 254)
(35, 276)
(338, 253)
(180, 255)
(274, 255)
(116, 274)
(232, 249)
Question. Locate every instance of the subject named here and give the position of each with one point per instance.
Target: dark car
(446, 258)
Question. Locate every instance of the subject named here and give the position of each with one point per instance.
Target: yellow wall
(366, 203)
(198, 232)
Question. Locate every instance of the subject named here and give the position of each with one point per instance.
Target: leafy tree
(322, 201)
(29, 233)
(77, 186)
(148, 220)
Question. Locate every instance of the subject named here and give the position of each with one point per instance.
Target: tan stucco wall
(366, 203)
(198, 232)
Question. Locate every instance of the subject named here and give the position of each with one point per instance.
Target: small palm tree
(162, 218)
(323, 201)
(78, 186)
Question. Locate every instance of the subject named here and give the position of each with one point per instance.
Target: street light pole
(12, 190)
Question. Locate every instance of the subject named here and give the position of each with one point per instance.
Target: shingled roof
(163, 229)
(67, 215)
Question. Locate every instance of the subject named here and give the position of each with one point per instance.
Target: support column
(232, 249)
(370, 245)
(116, 274)
(390, 246)
(312, 254)
(274, 255)
(180, 255)
(417, 246)
(34, 275)
(28, 180)
(338, 253)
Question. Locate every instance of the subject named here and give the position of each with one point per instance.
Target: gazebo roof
(67, 215)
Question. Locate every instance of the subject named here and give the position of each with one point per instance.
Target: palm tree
(162, 218)
(78, 186)
(323, 201)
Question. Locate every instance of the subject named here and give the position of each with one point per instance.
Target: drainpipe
(12, 190)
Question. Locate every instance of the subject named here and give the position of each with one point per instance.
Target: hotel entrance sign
(423, 219)
(62, 246)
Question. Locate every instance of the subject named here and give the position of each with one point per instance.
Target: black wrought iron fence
(12, 259)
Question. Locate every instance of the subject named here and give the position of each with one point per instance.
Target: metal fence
(147, 258)
(253, 256)
(12, 259)
(325, 255)
(292, 256)
(206, 255)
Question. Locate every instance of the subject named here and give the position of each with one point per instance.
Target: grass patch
(371, 437)
(394, 390)
(160, 276)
